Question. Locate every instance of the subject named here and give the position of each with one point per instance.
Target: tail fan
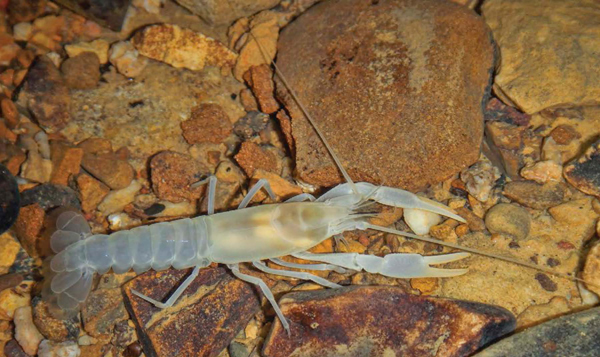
(65, 290)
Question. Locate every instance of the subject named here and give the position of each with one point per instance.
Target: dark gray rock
(9, 199)
(50, 196)
(575, 335)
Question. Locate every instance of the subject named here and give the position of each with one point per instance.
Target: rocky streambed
(489, 107)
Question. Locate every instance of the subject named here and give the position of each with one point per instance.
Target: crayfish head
(306, 224)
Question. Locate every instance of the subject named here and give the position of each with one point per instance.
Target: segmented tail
(66, 289)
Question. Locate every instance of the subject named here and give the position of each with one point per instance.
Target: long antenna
(390, 230)
(308, 116)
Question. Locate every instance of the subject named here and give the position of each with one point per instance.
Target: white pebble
(26, 334)
(421, 221)
(22, 31)
(55, 349)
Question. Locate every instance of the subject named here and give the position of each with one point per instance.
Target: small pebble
(421, 221)
(546, 283)
(81, 71)
(56, 349)
(509, 219)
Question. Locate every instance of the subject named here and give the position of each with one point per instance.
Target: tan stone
(99, 47)
(265, 29)
(549, 51)
(182, 48)
(591, 270)
(535, 314)
(9, 248)
(92, 192)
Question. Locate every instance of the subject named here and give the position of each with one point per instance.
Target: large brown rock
(382, 321)
(204, 320)
(397, 88)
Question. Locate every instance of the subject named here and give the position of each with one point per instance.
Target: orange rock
(281, 187)
(207, 123)
(29, 226)
(92, 192)
(10, 113)
(260, 79)
(251, 157)
(426, 286)
(172, 175)
(66, 161)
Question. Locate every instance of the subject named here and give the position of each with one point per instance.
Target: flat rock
(584, 173)
(116, 174)
(400, 101)
(543, 64)
(173, 174)
(508, 219)
(28, 227)
(534, 195)
(182, 48)
(206, 318)
(45, 95)
(381, 321)
(575, 335)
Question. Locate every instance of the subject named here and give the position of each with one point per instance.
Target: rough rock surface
(207, 123)
(376, 90)
(575, 335)
(549, 52)
(381, 321)
(173, 174)
(224, 12)
(182, 48)
(45, 95)
(81, 71)
(146, 116)
(584, 173)
(591, 270)
(9, 199)
(204, 320)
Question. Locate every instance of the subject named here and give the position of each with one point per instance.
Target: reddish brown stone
(584, 172)
(534, 195)
(474, 222)
(378, 320)
(92, 192)
(564, 134)
(45, 95)
(260, 79)
(81, 71)
(252, 157)
(29, 227)
(394, 100)
(286, 126)
(6, 133)
(10, 113)
(495, 110)
(173, 174)
(513, 143)
(203, 322)
(208, 123)
(66, 161)
(25, 10)
(248, 100)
